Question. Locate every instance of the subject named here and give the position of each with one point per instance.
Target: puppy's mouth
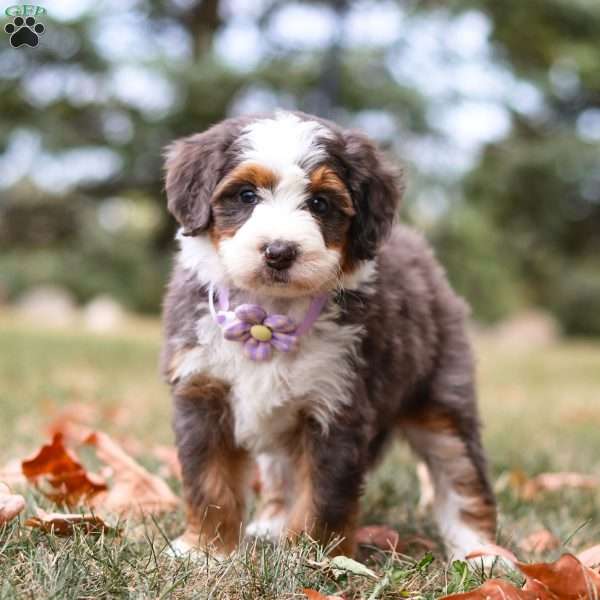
(277, 277)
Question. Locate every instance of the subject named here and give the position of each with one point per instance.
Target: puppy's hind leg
(444, 433)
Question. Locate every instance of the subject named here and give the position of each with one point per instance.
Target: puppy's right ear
(194, 166)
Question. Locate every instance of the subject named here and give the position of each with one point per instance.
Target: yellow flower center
(261, 333)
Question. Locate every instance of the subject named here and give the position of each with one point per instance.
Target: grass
(541, 408)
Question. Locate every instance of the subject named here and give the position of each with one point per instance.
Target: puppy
(303, 330)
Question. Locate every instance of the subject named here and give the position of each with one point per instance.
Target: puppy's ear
(376, 188)
(194, 166)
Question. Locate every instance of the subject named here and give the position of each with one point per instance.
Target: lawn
(541, 408)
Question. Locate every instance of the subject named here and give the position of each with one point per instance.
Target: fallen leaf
(58, 467)
(492, 550)
(12, 474)
(134, 490)
(386, 538)
(65, 524)
(539, 541)
(590, 557)
(314, 595)
(168, 456)
(552, 482)
(567, 578)
(537, 587)
(497, 589)
(72, 432)
(10, 504)
(382, 536)
(349, 565)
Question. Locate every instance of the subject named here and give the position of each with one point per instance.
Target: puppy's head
(286, 204)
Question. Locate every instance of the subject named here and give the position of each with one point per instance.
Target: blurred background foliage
(493, 107)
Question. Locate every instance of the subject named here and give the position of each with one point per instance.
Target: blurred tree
(84, 117)
(540, 186)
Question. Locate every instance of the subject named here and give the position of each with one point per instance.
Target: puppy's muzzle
(280, 254)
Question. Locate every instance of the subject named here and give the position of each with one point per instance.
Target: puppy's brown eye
(318, 205)
(248, 196)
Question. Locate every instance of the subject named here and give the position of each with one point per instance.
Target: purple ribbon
(249, 324)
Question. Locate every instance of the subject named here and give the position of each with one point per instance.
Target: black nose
(280, 255)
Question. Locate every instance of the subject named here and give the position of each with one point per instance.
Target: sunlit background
(493, 108)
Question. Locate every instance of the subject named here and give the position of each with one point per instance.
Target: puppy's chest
(267, 397)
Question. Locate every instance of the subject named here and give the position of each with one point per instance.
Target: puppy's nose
(280, 254)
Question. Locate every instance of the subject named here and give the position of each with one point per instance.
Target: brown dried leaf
(65, 524)
(382, 536)
(539, 541)
(314, 595)
(567, 578)
(497, 589)
(590, 557)
(134, 490)
(168, 456)
(58, 467)
(551, 482)
(10, 504)
(386, 538)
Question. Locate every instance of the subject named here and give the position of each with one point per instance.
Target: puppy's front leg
(330, 469)
(214, 470)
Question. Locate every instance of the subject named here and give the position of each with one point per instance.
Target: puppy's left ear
(376, 188)
(194, 166)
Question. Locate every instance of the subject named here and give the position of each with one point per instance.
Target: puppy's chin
(294, 282)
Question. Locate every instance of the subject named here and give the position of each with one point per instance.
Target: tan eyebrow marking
(325, 179)
(249, 173)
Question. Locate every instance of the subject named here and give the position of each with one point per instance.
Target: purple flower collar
(258, 331)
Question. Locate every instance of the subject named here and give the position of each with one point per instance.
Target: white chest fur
(267, 396)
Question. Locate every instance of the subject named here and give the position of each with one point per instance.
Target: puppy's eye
(248, 196)
(318, 205)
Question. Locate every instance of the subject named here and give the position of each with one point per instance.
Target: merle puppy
(303, 330)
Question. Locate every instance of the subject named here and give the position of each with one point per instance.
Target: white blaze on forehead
(283, 141)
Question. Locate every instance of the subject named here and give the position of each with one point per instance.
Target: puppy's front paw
(187, 546)
(270, 522)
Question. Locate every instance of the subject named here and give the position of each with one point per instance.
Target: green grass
(541, 408)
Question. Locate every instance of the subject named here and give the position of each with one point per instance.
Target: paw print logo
(24, 32)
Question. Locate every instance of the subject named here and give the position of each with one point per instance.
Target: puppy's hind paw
(489, 556)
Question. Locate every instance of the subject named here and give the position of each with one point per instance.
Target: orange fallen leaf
(60, 469)
(134, 490)
(590, 557)
(567, 578)
(168, 456)
(65, 524)
(72, 432)
(539, 541)
(314, 595)
(552, 482)
(497, 589)
(10, 504)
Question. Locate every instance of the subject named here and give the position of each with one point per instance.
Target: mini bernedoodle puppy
(303, 330)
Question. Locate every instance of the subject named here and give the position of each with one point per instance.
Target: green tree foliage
(540, 186)
(84, 118)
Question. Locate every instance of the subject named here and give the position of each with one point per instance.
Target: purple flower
(260, 333)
